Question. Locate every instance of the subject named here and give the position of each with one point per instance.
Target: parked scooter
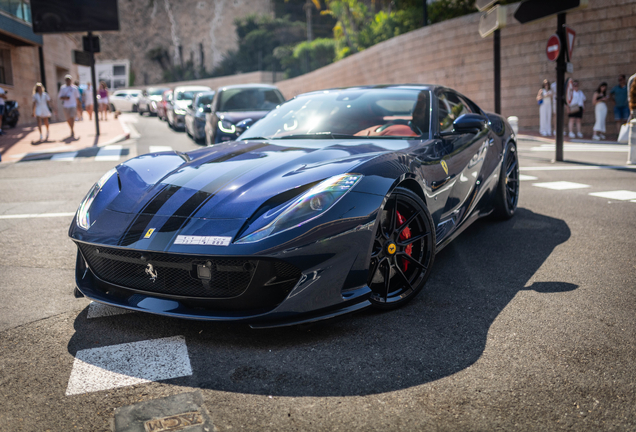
(11, 114)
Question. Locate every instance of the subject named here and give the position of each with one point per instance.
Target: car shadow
(442, 332)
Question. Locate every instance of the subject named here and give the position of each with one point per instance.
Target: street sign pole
(95, 106)
(497, 67)
(560, 99)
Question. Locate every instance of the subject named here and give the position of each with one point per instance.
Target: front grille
(177, 274)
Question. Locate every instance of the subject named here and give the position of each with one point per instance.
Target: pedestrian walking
(631, 97)
(80, 106)
(41, 109)
(600, 111)
(70, 96)
(3, 96)
(544, 99)
(103, 101)
(88, 100)
(553, 88)
(575, 110)
(621, 108)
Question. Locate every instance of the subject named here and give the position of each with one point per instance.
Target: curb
(551, 140)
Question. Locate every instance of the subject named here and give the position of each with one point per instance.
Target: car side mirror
(470, 123)
(207, 108)
(244, 125)
(190, 106)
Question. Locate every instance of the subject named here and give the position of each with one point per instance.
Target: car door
(121, 101)
(465, 156)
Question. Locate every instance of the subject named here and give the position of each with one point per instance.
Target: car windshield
(156, 92)
(354, 113)
(205, 99)
(249, 99)
(187, 95)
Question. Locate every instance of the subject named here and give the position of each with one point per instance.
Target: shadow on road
(440, 333)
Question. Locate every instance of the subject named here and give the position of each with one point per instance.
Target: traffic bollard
(631, 142)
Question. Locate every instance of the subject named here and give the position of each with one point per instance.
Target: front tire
(507, 194)
(403, 250)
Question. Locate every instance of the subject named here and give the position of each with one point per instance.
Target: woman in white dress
(544, 99)
(600, 111)
(41, 109)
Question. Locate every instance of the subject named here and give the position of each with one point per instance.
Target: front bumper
(178, 120)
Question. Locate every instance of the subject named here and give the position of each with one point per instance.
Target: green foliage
(306, 56)
(258, 37)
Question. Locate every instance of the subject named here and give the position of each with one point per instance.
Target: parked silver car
(149, 100)
(182, 98)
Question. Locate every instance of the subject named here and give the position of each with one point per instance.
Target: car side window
(450, 108)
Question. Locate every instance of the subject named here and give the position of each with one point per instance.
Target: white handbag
(623, 135)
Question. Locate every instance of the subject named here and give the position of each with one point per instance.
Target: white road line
(109, 153)
(128, 364)
(98, 310)
(576, 168)
(605, 148)
(36, 215)
(561, 185)
(622, 195)
(523, 177)
(157, 149)
(66, 156)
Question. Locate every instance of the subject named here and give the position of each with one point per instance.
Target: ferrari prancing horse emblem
(150, 271)
(391, 248)
(445, 167)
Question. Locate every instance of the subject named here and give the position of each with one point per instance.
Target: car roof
(189, 88)
(420, 87)
(127, 90)
(248, 86)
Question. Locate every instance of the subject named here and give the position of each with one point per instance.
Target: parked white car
(181, 100)
(125, 100)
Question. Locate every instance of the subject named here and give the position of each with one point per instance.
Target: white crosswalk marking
(523, 177)
(622, 195)
(128, 364)
(98, 310)
(561, 185)
(66, 156)
(36, 215)
(601, 148)
(157, 149)
(109, 153)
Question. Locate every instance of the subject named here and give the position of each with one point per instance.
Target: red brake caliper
(405, 235)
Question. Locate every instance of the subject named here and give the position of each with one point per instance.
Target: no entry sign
(553, 48)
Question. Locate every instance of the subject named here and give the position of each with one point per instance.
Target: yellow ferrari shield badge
(149, 233)
(445, 167)
(392, 248)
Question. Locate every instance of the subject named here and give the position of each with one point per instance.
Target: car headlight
(227, 126)
(83, 216)
(179, 111)
(312, 204)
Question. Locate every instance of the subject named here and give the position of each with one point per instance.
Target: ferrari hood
(231, 181)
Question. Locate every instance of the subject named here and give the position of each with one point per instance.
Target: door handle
(491, 141)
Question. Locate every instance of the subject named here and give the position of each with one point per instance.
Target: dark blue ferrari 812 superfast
(335, 201)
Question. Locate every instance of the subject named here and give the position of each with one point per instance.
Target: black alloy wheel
(507, 196)
(403, 250)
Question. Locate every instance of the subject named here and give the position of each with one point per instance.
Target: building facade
(27, 58)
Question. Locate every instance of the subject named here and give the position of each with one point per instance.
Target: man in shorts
(70, 96)
(621, 109)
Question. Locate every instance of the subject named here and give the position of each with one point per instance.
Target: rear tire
(507, 193)
(403, 250)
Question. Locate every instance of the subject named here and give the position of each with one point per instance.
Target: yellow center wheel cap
(391, 248)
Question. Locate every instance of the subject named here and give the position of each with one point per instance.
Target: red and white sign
(553, 48)
(569, 36)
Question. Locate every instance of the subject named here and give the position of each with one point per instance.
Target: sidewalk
(21, 141)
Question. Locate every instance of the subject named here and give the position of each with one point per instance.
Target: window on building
(6, 74)
(18, 8)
